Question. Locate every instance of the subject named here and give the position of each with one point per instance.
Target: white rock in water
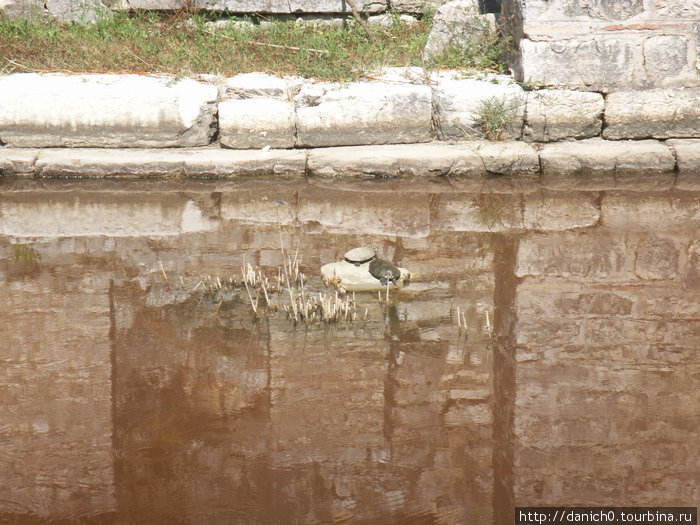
(353, 278)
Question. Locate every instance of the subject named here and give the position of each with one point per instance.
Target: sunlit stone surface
(93, 110)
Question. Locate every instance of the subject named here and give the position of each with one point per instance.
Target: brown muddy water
(127, 397)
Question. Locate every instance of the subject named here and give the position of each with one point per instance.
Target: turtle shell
(360, 255)
(384, 271)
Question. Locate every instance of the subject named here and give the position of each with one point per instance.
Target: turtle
(361, 255)
(384, 271)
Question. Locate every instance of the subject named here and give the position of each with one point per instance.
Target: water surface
(127, 397)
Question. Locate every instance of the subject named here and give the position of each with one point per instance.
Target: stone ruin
(605, 45)
(592, 45)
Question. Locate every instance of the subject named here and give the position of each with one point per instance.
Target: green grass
(184, 44)
(493, 117)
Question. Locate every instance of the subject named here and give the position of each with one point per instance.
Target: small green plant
(493, 116)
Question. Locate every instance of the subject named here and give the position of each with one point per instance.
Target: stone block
(204, 162)
(463, 104)
(687, 156)
(414, 6)
(81, 11)
(456, 25)
(257, 123)
(672, 211)
(562, 114)
(256, 85)
(560, 211)
(432, 159)
(604, 156)
(609, 61)
(17, 161)
(658, 113)
(363, 113)
(259, 6)
(684, 9)
(55, 110)
(387, 20)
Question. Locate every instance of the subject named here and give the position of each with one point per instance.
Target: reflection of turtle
(358, 256)
(384, 271)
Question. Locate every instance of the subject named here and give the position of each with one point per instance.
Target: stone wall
(606, 45)
(255, 111)
(90, 10)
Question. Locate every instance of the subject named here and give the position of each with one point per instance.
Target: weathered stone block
(463, 105)
(363, 113)
(433, 159)
(658, 113)
(257, 123)
(597, 155)
(603, 9)
(256, 85)
(205, 162)
(105, 111)
(686, 9)
(259, 6)
(396, 160)
(656, 259)
(17, 161)
(687, 157)
(665, 56)
(605, 62)
(560, 210)
(81, 11)
(560, 114)
(414, 6)
(457, 24)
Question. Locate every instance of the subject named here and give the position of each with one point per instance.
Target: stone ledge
(592, 164)
(187, 162)
(655, 113)
(603, 156)
(477, 158)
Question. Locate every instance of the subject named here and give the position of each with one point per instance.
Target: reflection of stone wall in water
(316, 422)
(607, 371)
(606, 45)
(55, 387)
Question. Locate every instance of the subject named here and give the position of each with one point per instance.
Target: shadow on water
(544, 354)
